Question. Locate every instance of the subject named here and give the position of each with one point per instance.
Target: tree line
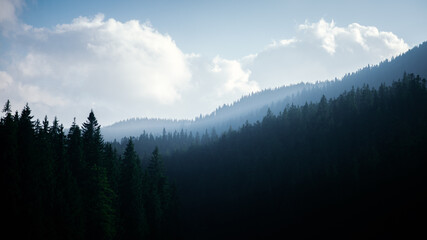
(76, 186)
(349, 167)
(253, 107)
(168, 142)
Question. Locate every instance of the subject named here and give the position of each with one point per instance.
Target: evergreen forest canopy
(76, 186)
(352, 166)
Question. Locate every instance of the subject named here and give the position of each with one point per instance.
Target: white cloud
(129, 69)
(367, 37)
(98, 62)
(121, 69)
(35, 65)
(281, 43)
(5, 80)
(34, 94)
(236, 78)
(8, 10)
(320, 51)
(325, 31)
(286, 42)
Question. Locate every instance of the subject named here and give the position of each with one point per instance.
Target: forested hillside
(253, 107)
(75, 186)
(346, 167)
(349, 167)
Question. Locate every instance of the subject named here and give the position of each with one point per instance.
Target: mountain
(350, 167)
(253, 107)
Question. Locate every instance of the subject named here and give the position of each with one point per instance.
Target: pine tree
(97, 193)
(68, 205)
(30, 181)
(10, 173)
(131, 196)
(77, 179)
(45, 159)
(92, 141)
(111, 165)
(75, 152)
(101, 218)
(158, 195)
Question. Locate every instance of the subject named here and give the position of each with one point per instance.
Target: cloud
(98, 62)
(35, 65)
(34, 94)
(5, 80)
(367, 37)
(9, 9)
(320, 51)
(281, 43)
(129, 69)
(236, 78)
(120, 69)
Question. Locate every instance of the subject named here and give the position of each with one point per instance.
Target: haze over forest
(213, 120)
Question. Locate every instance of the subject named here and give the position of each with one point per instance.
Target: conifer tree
(74, 158)
(131, 196)
(97, 193)
(92, 141)
(158, 194)
(101, 214)
(10, 174)
(30, 181)
(45, 161)
(75, 151)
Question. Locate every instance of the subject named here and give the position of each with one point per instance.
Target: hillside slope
(253, 107)
(348, 168)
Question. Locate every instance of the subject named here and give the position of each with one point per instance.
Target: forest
(253, 107)
(352, 166)
(76, 186)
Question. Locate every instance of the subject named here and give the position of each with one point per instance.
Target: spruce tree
(74, 160)
(30, 182)
(45, 160)
(158, 195)
(131, 196)
(97, 193)
(92, 141)
(10, 173)
(101, 214)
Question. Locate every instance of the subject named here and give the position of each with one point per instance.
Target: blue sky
(236, 28)
(179, 59)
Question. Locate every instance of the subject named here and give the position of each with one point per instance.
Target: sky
(180, 59)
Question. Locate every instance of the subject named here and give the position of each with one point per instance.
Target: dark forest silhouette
(316, 165)
(75, 186)
(352, 166)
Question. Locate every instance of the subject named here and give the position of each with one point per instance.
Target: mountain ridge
(253, 107)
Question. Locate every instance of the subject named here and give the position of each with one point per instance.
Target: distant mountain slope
(351, 167)
(253, 107)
